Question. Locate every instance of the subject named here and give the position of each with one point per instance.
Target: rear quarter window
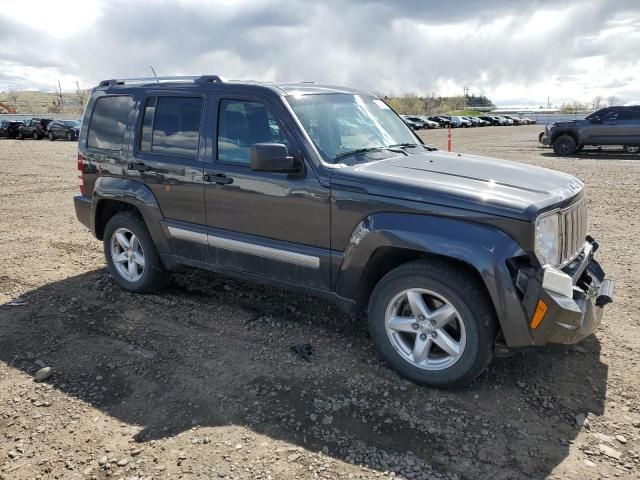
(108, 122)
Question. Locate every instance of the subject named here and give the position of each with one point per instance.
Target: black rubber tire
(51, 137)
(466, 295)
(20, 136)
(565, 145)
(155, 276)
(35, 136)
(69, 136)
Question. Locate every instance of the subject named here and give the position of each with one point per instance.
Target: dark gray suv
(607, 126)
(324, 190)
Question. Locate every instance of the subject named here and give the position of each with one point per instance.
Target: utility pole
(464, 96)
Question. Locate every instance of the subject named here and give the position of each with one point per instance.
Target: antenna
(154, 73)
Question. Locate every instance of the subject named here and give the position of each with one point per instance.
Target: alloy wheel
(127, 254)
(425, 329)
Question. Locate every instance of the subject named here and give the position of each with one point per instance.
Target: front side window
(108, 122)
(339, 123)
(242, 123)
(171, 126)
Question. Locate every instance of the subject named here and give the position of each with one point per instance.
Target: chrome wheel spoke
(402, 324)
(134, 244)
(133, 269)
(138, 259)
(446, 343)
(421, 349)
(120, 258)
(443, 315)
(122, 240)
(416, 302)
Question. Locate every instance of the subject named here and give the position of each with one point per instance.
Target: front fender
(134, 193)
(483, 248)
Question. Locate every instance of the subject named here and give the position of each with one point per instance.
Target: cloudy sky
(517, 52)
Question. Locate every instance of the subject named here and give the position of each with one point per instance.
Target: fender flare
(134, 193)
(483, 248)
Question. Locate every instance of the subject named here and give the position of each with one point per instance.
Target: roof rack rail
(177, 78)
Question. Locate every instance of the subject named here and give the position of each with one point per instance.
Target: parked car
(505, 120)
(35, 128)
(9, 128)
(412, 124)
(441, 121)
(475, 121)
(452, 256)
(516, 120)
(607, 126)
(429, 123)
(422, 121)
(457, 121)
(67, 129)
(493, 120)
(530, 121)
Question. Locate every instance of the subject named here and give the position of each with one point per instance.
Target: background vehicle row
(39, 128)
(418, 122)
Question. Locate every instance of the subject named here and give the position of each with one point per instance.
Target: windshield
(339, 123)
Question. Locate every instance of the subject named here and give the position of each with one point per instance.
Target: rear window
(171, 126)
(108, 122)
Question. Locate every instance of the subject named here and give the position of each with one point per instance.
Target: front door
(274, 225)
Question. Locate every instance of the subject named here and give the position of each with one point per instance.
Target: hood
(470, 182)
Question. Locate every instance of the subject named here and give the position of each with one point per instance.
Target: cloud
(518, 50)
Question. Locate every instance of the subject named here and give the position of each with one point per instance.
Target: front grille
(573, 230)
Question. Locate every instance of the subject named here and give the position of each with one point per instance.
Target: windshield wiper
(405, 145)
(367, 150)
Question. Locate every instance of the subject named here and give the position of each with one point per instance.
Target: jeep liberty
(324, 190)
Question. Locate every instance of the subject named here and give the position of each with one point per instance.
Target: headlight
(547, 246)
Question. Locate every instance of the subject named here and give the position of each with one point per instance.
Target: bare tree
(596, 103)
(12, 96)
(613, 100)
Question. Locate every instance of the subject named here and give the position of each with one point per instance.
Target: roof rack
(192, 78)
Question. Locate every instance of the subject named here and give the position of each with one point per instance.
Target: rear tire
(69, 136)
(51, 137)
(458, 341)
(131, 255)
(35, 136)
(565, 145)
(20, 136)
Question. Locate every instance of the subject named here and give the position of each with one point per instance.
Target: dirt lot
(200, 381)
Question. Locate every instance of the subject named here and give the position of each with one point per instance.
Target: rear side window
(171, 126)
(108, 122)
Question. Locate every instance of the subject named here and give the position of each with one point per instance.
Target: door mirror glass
(272, 157)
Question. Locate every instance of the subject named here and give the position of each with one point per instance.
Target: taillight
(81, 160)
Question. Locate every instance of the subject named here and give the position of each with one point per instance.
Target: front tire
(565, 145)
(131, 255)
(433, 324)
(51, 137)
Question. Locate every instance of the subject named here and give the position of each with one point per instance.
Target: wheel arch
(385, 241)
(572, 133)
(112, 195)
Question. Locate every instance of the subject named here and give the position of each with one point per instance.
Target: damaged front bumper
(566, 306)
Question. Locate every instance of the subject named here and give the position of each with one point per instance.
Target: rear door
(168, 158)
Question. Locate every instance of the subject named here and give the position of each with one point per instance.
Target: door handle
(141, 167)
(219, 178)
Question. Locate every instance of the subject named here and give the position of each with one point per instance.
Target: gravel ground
(200, 381)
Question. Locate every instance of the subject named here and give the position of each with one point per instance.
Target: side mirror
(272, 157)
(595, 119)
